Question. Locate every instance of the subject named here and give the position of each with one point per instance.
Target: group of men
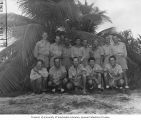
(81, 67)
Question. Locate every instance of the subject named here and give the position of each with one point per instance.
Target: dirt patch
(97, 103)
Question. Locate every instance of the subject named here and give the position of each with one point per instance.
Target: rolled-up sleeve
(34, 75)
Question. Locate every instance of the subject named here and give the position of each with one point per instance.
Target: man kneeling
(38, 77)
(76, 76)
(93, 75)
(57, 76)
(113, 74)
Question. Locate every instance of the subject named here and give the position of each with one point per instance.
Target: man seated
(93, 74)
(113, 74)
(38, 77)
(57, 76)
(76, 75)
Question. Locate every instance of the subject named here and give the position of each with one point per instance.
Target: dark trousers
(36, 85)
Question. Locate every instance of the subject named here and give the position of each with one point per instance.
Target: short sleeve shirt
(114, 71)
(56, 50)
(57, 73)
(119, 49)
(98, 52)
(86, 52)
(107, 50)
(36, 74)
(76, 51)
(94, 69)
(75, 71)
(43, 47)
(67, 51)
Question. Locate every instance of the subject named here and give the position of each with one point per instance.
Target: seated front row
(80, 77)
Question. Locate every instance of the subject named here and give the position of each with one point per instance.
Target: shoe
(120, 88)
(62, 90)
(43, 93)
(54, 90)
(91, 87)
(99, 86)
(116, 87)
(84, 92)
(127, 87)
(107, 86)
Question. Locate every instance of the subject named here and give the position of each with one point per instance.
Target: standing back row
(47, 52)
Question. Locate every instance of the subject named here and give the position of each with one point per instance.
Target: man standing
(85, 51)
(97, 52)
(55, 50)
(119, 50)
(107, 50)
(113, 74)
(57, 76)
(66, 53)
(42, 50)
(76, 51)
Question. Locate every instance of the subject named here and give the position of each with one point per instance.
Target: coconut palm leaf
(91, 17)
(50, 13)
(44, 10)
(107, 31)
(85, 8)
(13, 76)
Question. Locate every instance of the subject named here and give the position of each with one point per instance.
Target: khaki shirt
(56, 50)
(86, 52)
(89, 70)
(76, 52)
(107, 50)
(113, 71)
(36, 74)
(119, 49)
(42, 48)
(97, 52)
(66, 51)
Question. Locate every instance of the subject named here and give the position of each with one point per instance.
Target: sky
(125, 14)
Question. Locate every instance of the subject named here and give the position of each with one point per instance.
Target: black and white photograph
(70, 57)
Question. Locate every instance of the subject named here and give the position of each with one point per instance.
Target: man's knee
(65, 81)
(99, 75)
(121, 82)
(90, 82)
(69, 86)
(50, 83)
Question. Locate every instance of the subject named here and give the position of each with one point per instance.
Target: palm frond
(48, 10)
(107, 31)
(13, 76)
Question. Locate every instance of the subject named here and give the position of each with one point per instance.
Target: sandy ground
(97, 103)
